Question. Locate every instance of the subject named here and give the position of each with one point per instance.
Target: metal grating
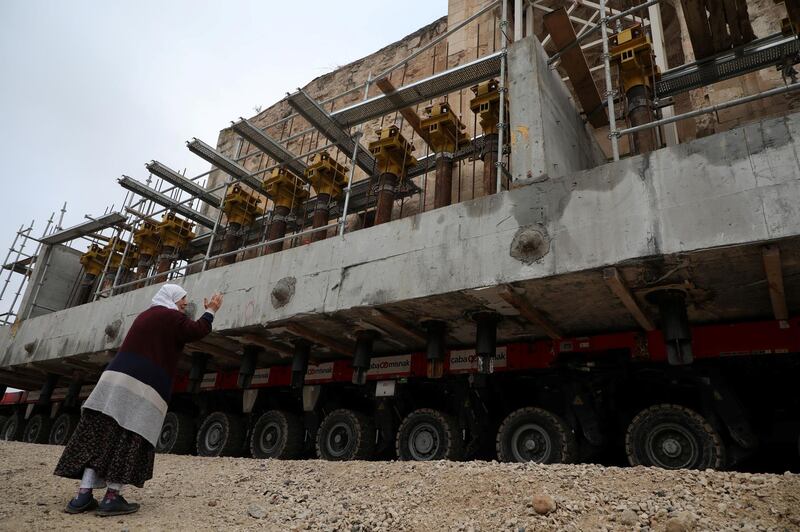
(268, 145)
(165, 201)
(227, 165)
(446, 82)
(171, 176)
(763, 53)
(92, 226)
(320, 119)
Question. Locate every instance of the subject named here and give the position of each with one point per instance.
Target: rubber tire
(563, 446)
(290, 435)
(360, 447)
(37, 429)
(710, 444)
(450, 444)
(12, 428)
(181, 436)
(67, 422)
(231, 439)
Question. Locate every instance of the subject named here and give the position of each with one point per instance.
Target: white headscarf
(167, 296)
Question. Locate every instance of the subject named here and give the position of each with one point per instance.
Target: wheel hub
(270, 437)
(339, 438)
(424, 442)
(531, 443)
(672, 446)
(214, 436)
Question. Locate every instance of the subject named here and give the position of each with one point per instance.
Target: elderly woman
(114, 443)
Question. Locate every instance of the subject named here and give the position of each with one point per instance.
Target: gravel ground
(239, 493)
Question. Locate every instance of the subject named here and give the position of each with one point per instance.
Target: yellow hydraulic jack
(95, 260)
(328, 178)
(393, 154)
(147, 240)
(486, 105)
(445, 135)
(174, 234)
(241, 208)
(287, 192)
(632, 50)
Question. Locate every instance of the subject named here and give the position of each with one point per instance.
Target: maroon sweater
(154, 344)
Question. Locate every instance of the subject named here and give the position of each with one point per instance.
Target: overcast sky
(90, 90)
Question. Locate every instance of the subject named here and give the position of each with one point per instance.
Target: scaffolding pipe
(501, 127)
(206, 258)
(612, 119)
(356, 144)
(712, 109)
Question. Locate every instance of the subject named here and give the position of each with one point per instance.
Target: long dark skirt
(116, 454)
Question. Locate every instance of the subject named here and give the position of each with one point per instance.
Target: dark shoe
(116, 506)
(85, 502)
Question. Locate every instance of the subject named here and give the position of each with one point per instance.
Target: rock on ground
(240, 493)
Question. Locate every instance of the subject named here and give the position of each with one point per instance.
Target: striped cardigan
(135, 388)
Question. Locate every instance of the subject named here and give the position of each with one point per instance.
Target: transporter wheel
(177, 434)
(62, 428)
(12, 428)
(534, 434)
(277, 434)
(3, 420)
(37, 429)
(346, 435)
(221, 434)
(673, 437)
(428, 434)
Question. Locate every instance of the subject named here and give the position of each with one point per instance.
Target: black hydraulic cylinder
(248, 367)
(674, 325)
(198, 369)
(73, 393)
(302, 350)
(435, 346)
(47, 389)
(363, 355)
(486, 340)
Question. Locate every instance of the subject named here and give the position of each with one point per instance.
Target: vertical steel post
(357, 142)
(501, 127)
(219, 213)
(517, 20)
(612, 119)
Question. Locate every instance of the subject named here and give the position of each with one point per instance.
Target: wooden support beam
(16, 380)
(317, 338)
(529, 313)
(410, 116)
(574, 62)
(772, 268)
(284, 351)
(614, 281)
(694, 12)
(383, 319)
(216, 352)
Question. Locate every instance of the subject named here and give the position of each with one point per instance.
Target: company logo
(390, 365)
(320, 372)
(466, 359)
(209, 381)
(261, 376)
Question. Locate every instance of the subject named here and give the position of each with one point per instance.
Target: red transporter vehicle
(540, 289)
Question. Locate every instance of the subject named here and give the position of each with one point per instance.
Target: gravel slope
(239, 493)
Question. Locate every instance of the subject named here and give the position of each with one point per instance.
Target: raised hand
(215, 303)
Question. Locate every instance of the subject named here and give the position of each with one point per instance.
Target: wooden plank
(772, 268)
(743, 17)
(615, 282)
(560, 28)
(317, 338)
(410, 116)
(284, 351)
(719, 29)
(529, 313)
(386, 320)
(694, 12)
(216, 352)
(731, 14)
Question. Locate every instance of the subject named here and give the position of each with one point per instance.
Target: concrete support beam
(529, 313)
(617, 286)
(772, 268)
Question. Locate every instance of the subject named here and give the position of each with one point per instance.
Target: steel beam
(171, 176)
(271, 147)
(224, 163)
(165, 201)
(101, 222)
